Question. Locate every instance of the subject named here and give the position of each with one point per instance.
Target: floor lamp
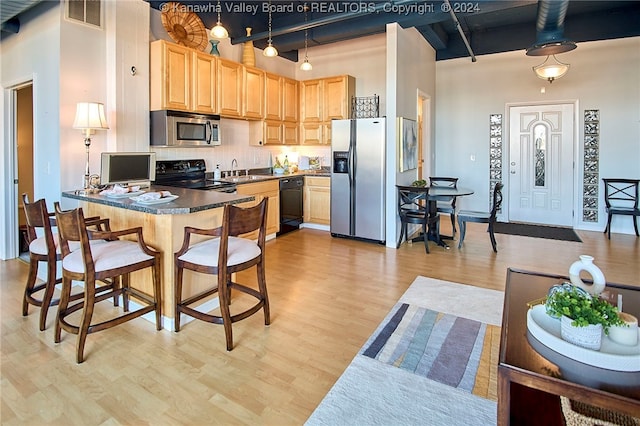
(89, 117)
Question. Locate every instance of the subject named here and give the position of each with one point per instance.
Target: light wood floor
(327, 296)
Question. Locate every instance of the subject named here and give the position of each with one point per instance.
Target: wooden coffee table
(531, 377)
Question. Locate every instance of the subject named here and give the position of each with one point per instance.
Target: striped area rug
(454, 351)
(431, 361)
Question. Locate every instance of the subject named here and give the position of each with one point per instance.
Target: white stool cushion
(106, 256)
(39, 245)
(206, 252)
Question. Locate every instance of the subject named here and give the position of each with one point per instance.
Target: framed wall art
(407, 144)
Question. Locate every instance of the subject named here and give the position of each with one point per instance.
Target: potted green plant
(583, 317)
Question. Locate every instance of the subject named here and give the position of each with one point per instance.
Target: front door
(541, 164)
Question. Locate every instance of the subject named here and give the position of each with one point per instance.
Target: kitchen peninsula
(163, 228)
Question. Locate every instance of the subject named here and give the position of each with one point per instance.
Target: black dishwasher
(290, 204)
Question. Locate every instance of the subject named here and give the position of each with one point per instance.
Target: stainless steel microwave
(183, 129)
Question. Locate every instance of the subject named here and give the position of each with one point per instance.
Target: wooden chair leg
(125, 291)
(49, 288)
(178, 297)
(62, 308)
(85, 319)
(157, 289)
(225, 313)
(608, 228)
(453, 224)
(463, 230)
(31, 282)
(262, 285)
(635, 224)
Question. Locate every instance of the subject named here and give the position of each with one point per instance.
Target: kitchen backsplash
(235, 145)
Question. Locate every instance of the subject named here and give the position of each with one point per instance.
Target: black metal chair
(446, 204)
(621, 197)
(412, 208)
(465, 216)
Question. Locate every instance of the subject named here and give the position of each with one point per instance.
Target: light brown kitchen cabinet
(181, 79)
(290, 100)
(253, 93)
(203, 83)
(230, 81)
(322, 100)
(311, 101)
(317, 200)
(170, 77)
(273, 97)
(271, 189)
(290, 133)
(336, 97)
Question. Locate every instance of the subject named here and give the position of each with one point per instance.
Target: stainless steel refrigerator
(358, 178)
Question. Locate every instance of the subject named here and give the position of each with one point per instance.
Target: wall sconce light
(219, 32)
(270, 51)
(89, 117)
(551, 70)
(306, 65)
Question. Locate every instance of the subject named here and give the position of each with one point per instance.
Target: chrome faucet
(234, 164)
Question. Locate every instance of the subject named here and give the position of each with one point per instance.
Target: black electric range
(189, 174)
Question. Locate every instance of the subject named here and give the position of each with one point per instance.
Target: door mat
(537, 231)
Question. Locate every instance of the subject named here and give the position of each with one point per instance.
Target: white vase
(586, 264)
(589, 337)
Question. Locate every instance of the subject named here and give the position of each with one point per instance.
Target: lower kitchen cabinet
(317, 200)
(271, 189)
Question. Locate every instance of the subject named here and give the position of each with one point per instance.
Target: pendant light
(551, 70)
(270, 51)
(219, 32)
(306, 65)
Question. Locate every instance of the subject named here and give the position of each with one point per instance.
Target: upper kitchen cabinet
(322, 100)
(253, 92)
(290, 100)
(336, 97)
(230, 84)
(311, 101)
(181, 79)
(273, 97)
(169, 81)
(204, 83)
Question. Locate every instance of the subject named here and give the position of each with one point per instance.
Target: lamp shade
(270, 51)
(306, 65)
(219, 32)
(90, 115)
(551, 70)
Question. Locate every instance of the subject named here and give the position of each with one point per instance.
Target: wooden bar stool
(45, 248)
(113, 259)
(230, 252)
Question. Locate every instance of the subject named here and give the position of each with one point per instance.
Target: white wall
(410, 71)
(40, 34)
(604, 75)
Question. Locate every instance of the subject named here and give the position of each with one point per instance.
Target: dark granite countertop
(188, 201)
(259, 177)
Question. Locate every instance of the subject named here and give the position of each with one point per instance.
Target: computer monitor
(128, 168)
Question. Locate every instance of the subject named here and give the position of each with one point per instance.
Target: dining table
(439, 193)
